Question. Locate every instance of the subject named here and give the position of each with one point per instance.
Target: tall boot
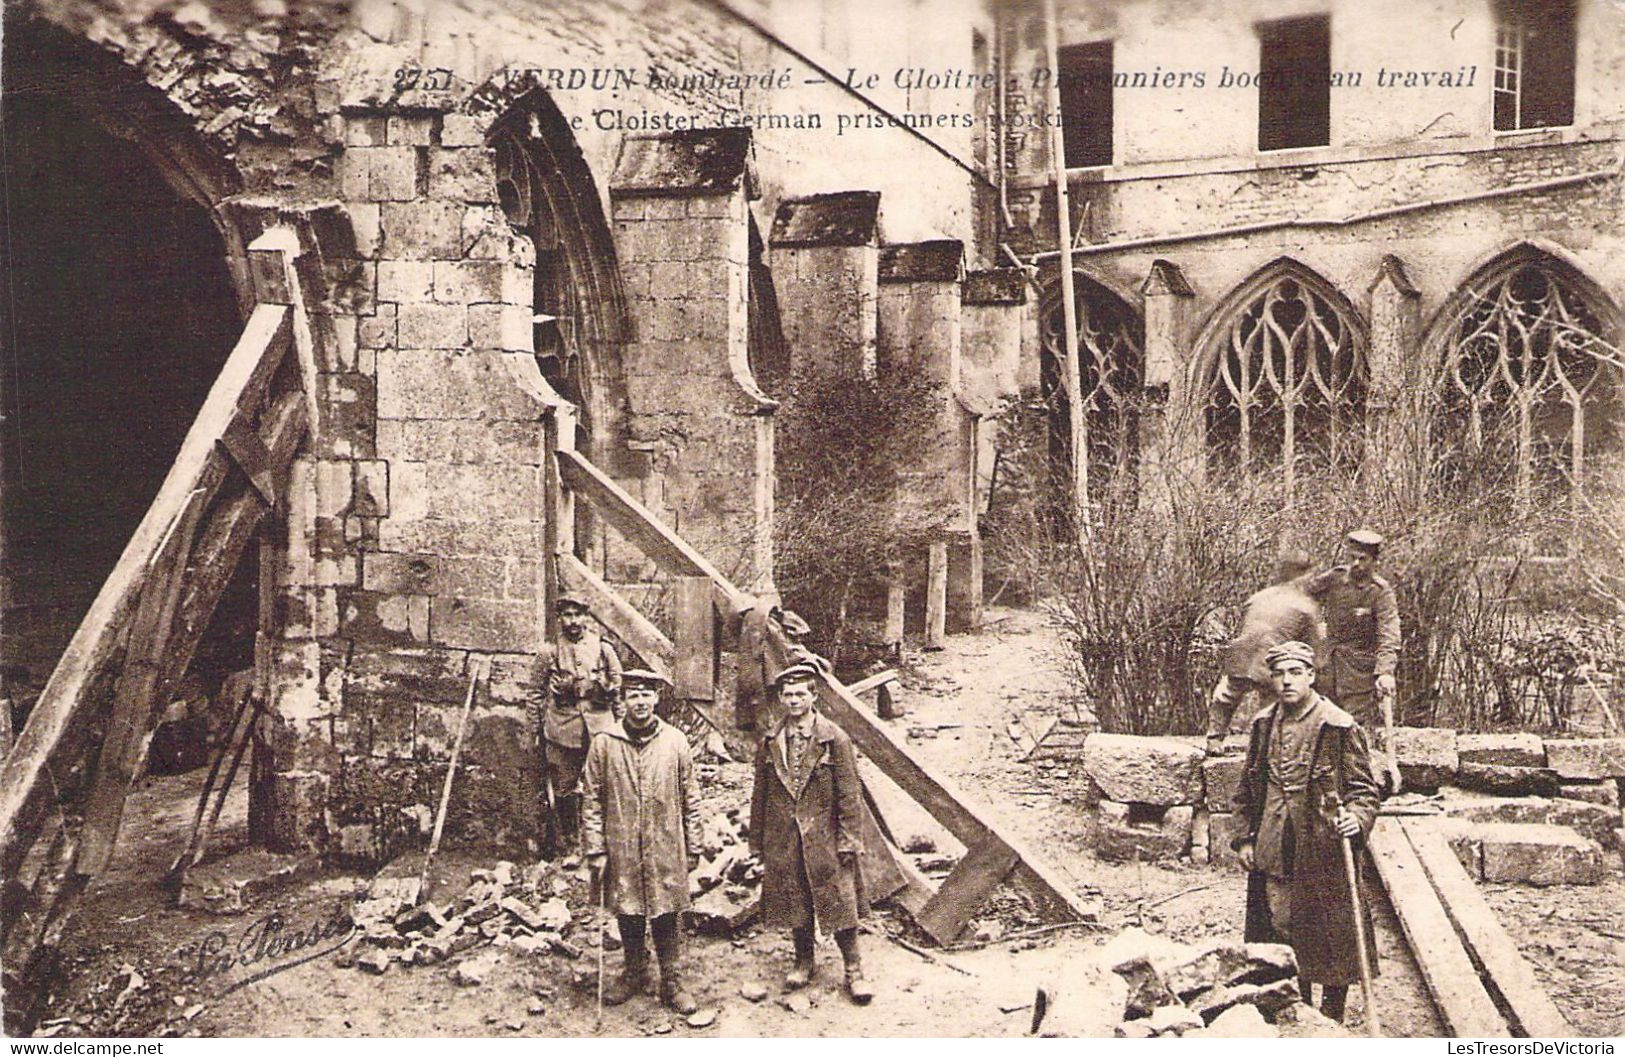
(857, 988)
(569, 824)
(634, 978)
(668, 948)
(801, 974)
(1334, 1001)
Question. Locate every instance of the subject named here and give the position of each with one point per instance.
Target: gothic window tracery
(1111, 357)
(1289, 383)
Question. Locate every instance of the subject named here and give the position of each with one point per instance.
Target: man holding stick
(1307, 787)
(640, 823)
(577, 695)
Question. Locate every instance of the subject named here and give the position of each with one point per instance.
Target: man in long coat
(805, 825)
(640, 824)
(577, 693)
(1306, 786)
(1281, 612)
(1362, 640)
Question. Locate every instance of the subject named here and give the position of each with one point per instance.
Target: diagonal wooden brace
(962, 891)
(242, 442)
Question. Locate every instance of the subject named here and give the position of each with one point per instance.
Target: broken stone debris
(726, 885)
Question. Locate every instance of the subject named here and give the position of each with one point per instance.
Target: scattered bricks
(1604, 792)
(1221, 777)
(406, 282)
(1589, 758)
(1147, 832)
(432, 326)
(423, 230)
(1508, 750)
(1147, 990)
(1507, 781)
(1426, 756)
(1222, 831)
(1538, 854)
(1132, 769)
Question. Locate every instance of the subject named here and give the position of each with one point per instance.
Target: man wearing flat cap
(1362, 641)
(1307, 785)
(640, 831)
(577, 693)
(805, 825)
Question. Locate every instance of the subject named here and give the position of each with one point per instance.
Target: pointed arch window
(1532, 383)
(1289, 384)
(1111, 359)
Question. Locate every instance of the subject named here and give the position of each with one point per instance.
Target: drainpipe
(1071, 373)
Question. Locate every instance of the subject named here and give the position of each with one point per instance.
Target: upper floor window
(1534, 64)
(1086, 103)
(1294, 83)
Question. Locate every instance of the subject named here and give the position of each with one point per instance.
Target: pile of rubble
(1536, 810)
(503, 907)
(1143, 986)
(726, 886)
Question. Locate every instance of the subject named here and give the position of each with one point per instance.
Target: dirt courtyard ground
(132, 963)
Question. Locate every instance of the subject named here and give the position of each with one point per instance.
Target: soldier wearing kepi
(640, 826)
(1305, 755)
(805, 819)
(1281, 612)
(578, 693)
(1362, 641)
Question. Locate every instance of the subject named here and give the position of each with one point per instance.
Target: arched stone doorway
(121, 309)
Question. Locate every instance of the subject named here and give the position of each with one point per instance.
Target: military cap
(793, 624)
(795, 673)
(570, 601)
(643, 677)
(1290, 651)
(1365, 539)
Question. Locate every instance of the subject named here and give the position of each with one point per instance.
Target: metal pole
(1071, 374)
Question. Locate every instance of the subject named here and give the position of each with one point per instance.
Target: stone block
(509, 328)
(432, 326)
(1147, 991)
(1589, 758)
(1506, 780)
(1141, 770)
(433, 574)
(392, 173)
(460, 441)
(366, 130)
(423, 230)
(463, 175)
(410, 130)
(1592, 820)
(1174, 1020)
(472, 282)
(421, 383)
(374, 619)
(370, 489)
(1426, 756)
(482, 624)
(1143, 832)
(1604, 792)
(1221, 777)
(461, 130)
(1223, 829)
(1270, 999)
(1539, 854)
(1240, 1022)
(406, 282)
(365, 227)
(378, 331)
(1509, 750)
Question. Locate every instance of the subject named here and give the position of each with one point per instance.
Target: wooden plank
(1509, 973)
(618, 615)
(558, 527)
(1465, 1006)
(198, 466)
(972, 881)
(871, 682)
(694, 669)
(936, 595)
(634, 521)
(936, 794)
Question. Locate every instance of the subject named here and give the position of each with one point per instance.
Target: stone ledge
(845, 218)
(935, 261)
(711, 161)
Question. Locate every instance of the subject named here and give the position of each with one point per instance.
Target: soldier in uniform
(640, 831)
(577, 696)
(1362, 641)
(1307, 785)
(1281, 612)
(806, 827)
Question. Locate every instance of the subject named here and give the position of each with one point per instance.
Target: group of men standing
(620, 784)
(1321, 650)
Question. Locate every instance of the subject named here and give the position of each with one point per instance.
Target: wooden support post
(1465, 1006)
(695, 668)
(982, 869)
(1512, 977)
(936, 596)
(896, 611)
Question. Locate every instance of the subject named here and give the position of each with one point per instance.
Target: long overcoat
(802, 821)
(1323, 933)
(641, 806)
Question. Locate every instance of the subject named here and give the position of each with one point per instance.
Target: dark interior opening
(1086, 103)
(1294, 83)
(118, 315)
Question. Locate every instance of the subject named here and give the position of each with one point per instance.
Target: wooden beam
(936, 595)
(937, 795)
(1509, 973)
(198, 466)
(962, 891)
(618, 615)
(871, 682)
(1466, 1007)
(634, 521)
